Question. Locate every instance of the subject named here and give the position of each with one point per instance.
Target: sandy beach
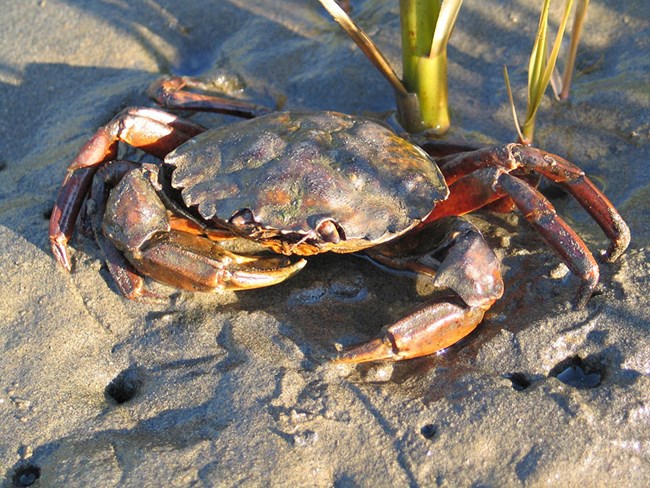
(237, 389)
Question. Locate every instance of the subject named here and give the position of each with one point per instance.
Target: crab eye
(243, 217)
(329, 232)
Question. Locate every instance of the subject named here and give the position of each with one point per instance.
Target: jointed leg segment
(171, 93)
(154, 131)
(481, 177)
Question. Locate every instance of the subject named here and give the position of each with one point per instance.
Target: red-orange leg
(152, 130)
(481, 177)
(557, 233)
(574, 180)
(483, 186)
(510, 157)
(171, 93)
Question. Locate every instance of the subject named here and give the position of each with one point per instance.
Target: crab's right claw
(195, 263)
(262, 271)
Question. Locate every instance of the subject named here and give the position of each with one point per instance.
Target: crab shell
(276, 179)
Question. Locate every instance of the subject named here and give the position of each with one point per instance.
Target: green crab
(302, 183)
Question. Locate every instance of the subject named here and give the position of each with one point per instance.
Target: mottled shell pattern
(292, 171)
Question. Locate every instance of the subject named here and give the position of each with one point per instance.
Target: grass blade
(576, 31)
(363, 41)
(444, 26)
(512, 102)
(541, 69)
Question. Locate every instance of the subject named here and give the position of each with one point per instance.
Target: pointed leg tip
(61, 254)
(377, 349)
(585, 291)
(617, 248)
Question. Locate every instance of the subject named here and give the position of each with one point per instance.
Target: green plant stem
(433, 93)
(418, 20)
(426, 28)
(422, 97)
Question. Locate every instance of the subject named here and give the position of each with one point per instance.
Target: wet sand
(236, 389)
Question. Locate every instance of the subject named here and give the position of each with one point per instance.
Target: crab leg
(562, 238)
(513, 156)
(574, 180)
(152, 130)
(469, 273)
(170, 92)
(481, 187)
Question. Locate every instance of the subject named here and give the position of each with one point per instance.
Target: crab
(302, 183)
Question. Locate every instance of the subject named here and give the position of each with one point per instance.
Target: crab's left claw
(470, 273)
(425, 331)
(137, 237)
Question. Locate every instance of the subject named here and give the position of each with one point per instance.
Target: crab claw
(425, 331)
(262, 271)
(194, 263)
(469, 272)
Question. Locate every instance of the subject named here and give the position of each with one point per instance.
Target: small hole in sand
(580, 374)
(26, 475)
(126, 385)
(428, 431)
(519, 380)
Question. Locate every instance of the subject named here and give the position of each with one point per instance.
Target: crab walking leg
(574, 180)
(471, 279)
(511, 157)
(136, 222)
(570, 247)
(481, 187)
(152, 130)
(170, 92)
(65, 212)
